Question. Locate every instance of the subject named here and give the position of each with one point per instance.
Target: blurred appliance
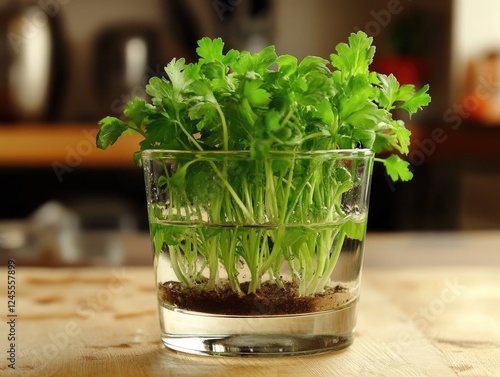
(482, 95)
(87, 59)
(123, 61)
(31, 67)
(56, 234)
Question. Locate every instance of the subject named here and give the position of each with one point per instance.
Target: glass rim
(354, 152)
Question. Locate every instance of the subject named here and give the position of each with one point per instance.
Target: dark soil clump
(269, 299)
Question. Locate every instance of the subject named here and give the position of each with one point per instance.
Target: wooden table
(430, 306)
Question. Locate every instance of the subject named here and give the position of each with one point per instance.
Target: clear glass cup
(257, 256)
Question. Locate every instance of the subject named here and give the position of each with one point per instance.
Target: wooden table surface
(430, 306)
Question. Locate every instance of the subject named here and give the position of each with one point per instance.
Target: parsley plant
(268, 106)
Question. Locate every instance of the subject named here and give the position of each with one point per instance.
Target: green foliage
(263, 102)
(111, 129)
(397, 168)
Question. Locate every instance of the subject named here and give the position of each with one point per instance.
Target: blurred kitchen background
(64, 64)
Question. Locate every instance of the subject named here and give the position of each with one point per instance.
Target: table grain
(430, 306)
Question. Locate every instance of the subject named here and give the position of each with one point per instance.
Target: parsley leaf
(389, 92)
(136, 110)
(416, 101)
(176, 74)
(111, 129)
(354, 58)
(210, 50)
(397, 168)
(255, 95)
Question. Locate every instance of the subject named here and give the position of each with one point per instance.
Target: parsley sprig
(263, 102)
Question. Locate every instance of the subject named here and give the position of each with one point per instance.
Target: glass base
(283, 335)
(258, 345)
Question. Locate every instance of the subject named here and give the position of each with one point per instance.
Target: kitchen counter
(60, 146)
(429, 306)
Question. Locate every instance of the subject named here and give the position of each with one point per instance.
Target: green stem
(312, 136)
(234, 263)
(213, 262)
(323, 256)
(225, 133)
(259, 250)
(271, 199)
(339, 242)
(212, 245)
(137, 129)
(246, 212)
(289, 184)
(299, 193)
(306, 265)
(189, 136)
(274, 253)
(176, 265)
(288, 116)
(247, 196)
